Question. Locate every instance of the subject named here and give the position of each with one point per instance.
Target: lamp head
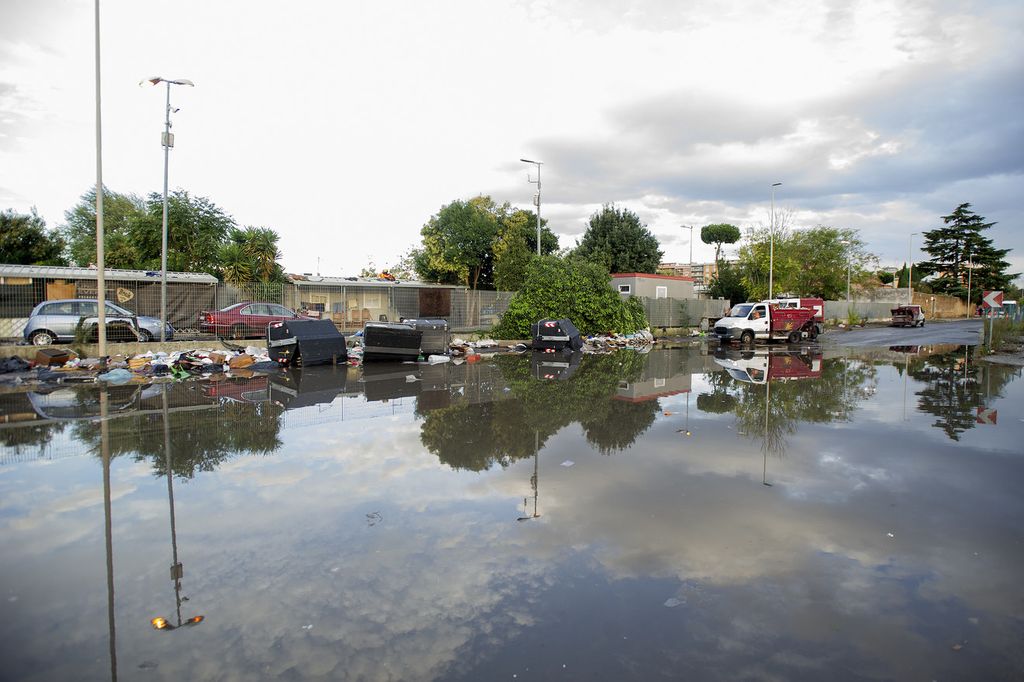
(776, 184)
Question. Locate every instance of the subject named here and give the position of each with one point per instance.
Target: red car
(244, 320)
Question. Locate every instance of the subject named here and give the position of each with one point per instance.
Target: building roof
(644, 275)
(59, 272)
(317, 281)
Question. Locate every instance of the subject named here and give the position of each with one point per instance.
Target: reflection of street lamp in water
(177, 569)
(533, 480)
(764, 450)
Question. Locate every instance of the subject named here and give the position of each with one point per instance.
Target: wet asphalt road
(961, 332)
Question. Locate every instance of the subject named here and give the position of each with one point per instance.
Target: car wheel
(42, 337)
(238, 331)
(145, 336)
(747, 338)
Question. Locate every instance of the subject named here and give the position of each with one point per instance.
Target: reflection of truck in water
(789, 319)
(758, 367)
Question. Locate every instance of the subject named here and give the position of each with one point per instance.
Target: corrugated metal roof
(360, 282)
(58, 272)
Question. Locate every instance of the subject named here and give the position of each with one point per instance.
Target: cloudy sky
(345, 126)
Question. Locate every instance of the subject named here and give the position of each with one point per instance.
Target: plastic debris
(568, 463)
(117, 376)
(672, 602)
(438, 359)
(890, 535)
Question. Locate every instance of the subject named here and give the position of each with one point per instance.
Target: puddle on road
(794, 515)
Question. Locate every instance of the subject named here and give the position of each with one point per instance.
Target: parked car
(58, 321)
(245, 320)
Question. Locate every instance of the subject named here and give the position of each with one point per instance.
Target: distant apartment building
(700, 273)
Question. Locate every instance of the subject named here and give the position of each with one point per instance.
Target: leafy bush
(571, 288)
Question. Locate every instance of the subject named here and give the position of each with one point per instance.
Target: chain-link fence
(193, 303)
(676, 312)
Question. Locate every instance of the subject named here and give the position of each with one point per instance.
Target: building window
(660, 292)
(625, 289)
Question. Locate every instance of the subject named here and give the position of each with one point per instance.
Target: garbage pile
(64, 366)
(640, 341)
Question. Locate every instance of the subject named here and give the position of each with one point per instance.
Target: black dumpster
(555, 335)
(435, 335)
(302, 343)
(390, 341)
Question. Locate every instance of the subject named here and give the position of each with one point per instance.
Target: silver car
(57, 321)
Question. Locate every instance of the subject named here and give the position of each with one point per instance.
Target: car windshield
(741, 310)
(118, 309)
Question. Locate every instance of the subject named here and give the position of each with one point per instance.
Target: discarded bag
(240, 361)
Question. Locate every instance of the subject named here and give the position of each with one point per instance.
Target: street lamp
(167, 140)
(691, 247)
(970, 271)
(846, 243)
(771, 247)
(910, 270)
(536, 198)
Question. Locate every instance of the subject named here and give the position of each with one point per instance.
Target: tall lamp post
(771, 246)
(970, 271)
(536, 198)
(846, 245)
(167, 141)
(691, 247)
(910, 270)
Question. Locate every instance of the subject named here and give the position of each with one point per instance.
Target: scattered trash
(672, 602)
(307, 627)
(568, 463)
(890, 535)
(116, 376)
(412, 379)
(438, 359)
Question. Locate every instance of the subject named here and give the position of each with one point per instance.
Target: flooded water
(847, 516)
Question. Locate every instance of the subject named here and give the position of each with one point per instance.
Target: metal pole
(537, 202)
(771, 247)
(910, 270)
(847, 280)
(970, 271)
(163, 232)
(101, 284)
(538, 209)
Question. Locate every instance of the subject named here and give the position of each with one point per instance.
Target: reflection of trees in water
(772, 415)
(477, 436)
(952, 394)
(200, 439)
(29, 436)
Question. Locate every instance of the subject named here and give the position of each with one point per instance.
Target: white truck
(788, 319)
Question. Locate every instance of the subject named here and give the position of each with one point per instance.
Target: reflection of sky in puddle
(353, 551)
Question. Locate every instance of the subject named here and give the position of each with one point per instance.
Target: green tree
(810, 262)
(196, 230)
(959, 247)
(885, 277)
(457, 242)
(24, 240)
(124, 218)
(617, 240)
(571, 288)
(251, 255)
(718, 234)
(728, 283)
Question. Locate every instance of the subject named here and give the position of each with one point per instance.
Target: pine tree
(958, 248)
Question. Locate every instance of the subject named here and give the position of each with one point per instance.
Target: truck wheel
(794, 336)
(812, 332)
(747, 338)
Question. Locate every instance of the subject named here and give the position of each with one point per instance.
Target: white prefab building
(653, 286)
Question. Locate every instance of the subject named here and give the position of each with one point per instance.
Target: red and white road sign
(992, 299)
(987, 416)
